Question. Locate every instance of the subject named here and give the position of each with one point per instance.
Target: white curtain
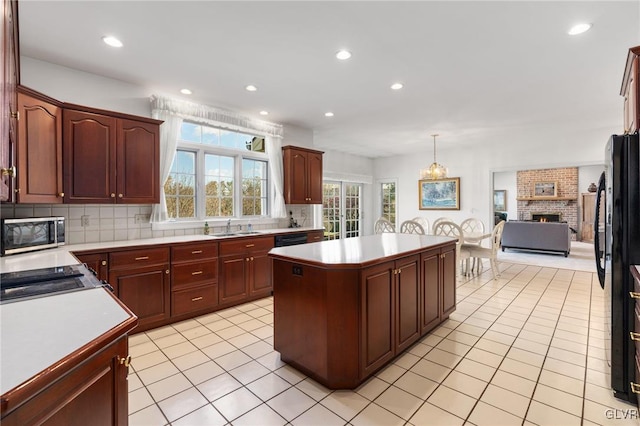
(274, 151)
(169, 131)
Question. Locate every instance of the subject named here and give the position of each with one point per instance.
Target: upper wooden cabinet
(9, 78)
(631, 91)
(110, 157)
(302, 175)
(38, 156)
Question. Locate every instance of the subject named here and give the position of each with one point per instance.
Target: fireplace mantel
(528, 200)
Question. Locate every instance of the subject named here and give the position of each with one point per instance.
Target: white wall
(475, 165)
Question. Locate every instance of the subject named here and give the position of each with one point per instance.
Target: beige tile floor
(526, 349)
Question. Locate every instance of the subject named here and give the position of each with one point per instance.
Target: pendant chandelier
(435, 170)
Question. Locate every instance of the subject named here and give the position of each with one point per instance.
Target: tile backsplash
(91, 223)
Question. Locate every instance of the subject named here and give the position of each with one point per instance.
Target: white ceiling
(469, 68)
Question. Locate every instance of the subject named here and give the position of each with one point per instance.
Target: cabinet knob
(166, 272)
(60, 195)
(634, 295)
(247, 259)
(15, 114)
(113, 195)
(635, 388)
(124, 361)
(103, 263)
(119, 195)
(634, 336)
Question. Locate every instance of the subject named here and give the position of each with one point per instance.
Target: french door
(341, 209)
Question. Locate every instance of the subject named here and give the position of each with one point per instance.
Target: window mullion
(200, 196)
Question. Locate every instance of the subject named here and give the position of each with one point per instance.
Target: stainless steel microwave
(32, 233)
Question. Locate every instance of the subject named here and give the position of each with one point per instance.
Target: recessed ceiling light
(186, 91)
(328, 114)
(579, 29)
(397, 86)
(251, 88)
(264, 112)
(343, 54)
(112, 41)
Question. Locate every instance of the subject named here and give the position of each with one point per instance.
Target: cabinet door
(39, 153)
(138, 159)
(314, 178)
(430, 286)
(260, 274)
(144, 290)
(448, 283)
(408, 306)
(295, 166)
(10, 73)
(232, 278)
(89, 142)
(98, 262)
(377, 317)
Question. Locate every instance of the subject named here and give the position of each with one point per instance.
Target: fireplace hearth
(545, 217)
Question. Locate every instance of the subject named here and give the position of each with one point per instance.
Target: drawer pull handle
(634, 295)
(142, 258)
(195, 299)
(196, 273)
(635, 388)
(196, 252)
(249, 245)
(634, 336)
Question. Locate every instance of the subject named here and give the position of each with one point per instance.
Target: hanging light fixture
(435, 170)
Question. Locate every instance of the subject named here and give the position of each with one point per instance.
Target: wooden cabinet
(390, 311)
(587, 232)
(340, 324)
(194, 277)
(98, 262)
(630, 90)
(302, 175)
(38, 156)
(10, 78)
(245, 269)
(140, 278)
(110, 157)
(315, 236)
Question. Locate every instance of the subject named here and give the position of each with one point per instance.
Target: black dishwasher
(291, 239)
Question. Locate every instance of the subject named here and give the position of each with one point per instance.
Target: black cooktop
(45, 281)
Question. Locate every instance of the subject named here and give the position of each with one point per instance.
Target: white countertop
(359, 250)
(62, 256)
(37, 333)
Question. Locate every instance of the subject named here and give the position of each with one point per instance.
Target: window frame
(200, 150)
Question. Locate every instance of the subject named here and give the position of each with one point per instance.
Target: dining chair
(383, 225)
(440, 219)
(451, 229)
(472, 225)
(424, 222)
(490, 253)
(411, 227)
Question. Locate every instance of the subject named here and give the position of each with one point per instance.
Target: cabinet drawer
(188, 252)
(142, 257)
(187, 274)
(194, 299)
(315, 236)
(243, 245)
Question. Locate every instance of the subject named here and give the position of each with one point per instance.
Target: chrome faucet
(228, 231)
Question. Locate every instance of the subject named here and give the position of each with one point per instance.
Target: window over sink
(217, 173)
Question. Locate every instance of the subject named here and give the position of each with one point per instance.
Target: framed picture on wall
(500, 200)
(545, 189)
(439, 194)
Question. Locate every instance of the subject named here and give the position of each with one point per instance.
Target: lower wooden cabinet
(245, 269)
(92, 393)
(141, 280)
(194, 278)
(390, 311)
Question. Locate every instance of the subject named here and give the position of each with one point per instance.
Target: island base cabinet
(93, 393)
(341, 325)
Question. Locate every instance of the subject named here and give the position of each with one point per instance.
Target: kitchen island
(345, 308)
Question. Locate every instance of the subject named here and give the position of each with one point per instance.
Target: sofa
(539, 236)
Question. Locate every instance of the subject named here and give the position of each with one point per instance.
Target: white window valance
(216, 116)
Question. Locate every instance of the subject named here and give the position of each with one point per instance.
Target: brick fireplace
(562, 207)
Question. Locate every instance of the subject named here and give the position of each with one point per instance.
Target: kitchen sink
(247, 232)
(225, 234)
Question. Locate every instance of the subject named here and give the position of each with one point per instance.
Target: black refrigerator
(617, 246)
